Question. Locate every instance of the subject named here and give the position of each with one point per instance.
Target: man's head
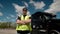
(24, 11)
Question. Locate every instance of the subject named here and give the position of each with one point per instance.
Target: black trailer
(45, 23)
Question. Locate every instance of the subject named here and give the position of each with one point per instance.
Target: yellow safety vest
(25, 26)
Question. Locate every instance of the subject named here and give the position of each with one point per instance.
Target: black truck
(45, 23)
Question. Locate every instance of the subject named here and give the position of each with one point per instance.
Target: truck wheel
(54, 32)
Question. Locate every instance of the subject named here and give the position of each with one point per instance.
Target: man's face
(24, 12)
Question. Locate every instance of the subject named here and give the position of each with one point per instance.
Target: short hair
(24, 9)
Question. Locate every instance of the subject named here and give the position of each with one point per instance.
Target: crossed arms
(23, 21)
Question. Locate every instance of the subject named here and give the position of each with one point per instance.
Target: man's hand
(20, 22)
(27, 21)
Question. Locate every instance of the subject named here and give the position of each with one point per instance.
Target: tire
(54, 32)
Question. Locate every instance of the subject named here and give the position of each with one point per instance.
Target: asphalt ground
(8, 31)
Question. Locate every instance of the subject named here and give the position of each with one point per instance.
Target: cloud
(8, 17)
(26, 4)
(19, 9)
(1, 14)
(54, 7)
(31, 1)
(12, 16)
(1, 5)
(13, 20)
(4, 19)
(38, 5)
(0, 20)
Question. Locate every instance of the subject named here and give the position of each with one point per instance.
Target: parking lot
(7, 31)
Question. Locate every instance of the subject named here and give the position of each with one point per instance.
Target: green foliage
(4, 25)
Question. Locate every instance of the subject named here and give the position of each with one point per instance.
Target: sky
(11, 9)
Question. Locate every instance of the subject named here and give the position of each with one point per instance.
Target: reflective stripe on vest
(24, 27)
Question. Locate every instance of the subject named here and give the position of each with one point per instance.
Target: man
(23, 23)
